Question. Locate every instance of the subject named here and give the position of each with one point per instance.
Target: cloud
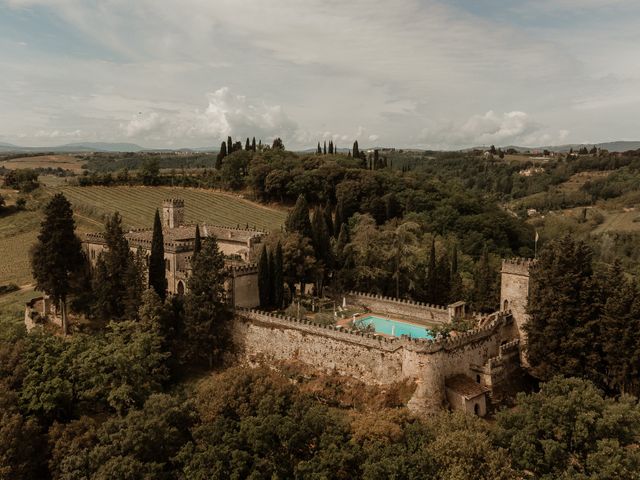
(509, 128)
(226, 114)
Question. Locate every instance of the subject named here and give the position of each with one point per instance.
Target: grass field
(18, 232)
(137, 206)
(66, 162)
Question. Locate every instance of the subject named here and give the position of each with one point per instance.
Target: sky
(402, 73)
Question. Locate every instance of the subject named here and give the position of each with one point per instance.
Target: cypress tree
(157, 270)
(134, 285)
(319, 151)
(253, 144)
(278, 277)
(272, 273)
(260, 145)
(247, 145)
(330, 147)
(356, 150)
(58, 254)
(264, 279)
(325, 147)
(432, 275)
(298, 219)
(456, 292)
(197, 242)
(485, 292)
(221, 154)
(230, 146)
(205, 309)
(328, 218)
(444, 280)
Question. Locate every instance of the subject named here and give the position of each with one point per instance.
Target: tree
(356, 150)
(322, 246)
(253, 144)
(319, 150)
(157, 269)
(264, 279)
(134, 285)
(404, 244)
(564, 305)
(432, 275)
(277, 144)
(325, 147)
(570, 430)
(221, 154)
(485, 291)
(230, 146)
(298, 219)
(328, 218)
(278, 277)
(206, 311)
(197, 242)
(299, 262)
(456, 292)
(58, 254)
(150, 172)
(247, 145)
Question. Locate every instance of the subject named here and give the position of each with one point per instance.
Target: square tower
(172, 213)
(514, 293)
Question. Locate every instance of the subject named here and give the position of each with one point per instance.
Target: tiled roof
(464, 386)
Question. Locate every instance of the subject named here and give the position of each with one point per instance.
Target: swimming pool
(393, 327)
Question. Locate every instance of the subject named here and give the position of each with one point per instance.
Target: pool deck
(343, 322)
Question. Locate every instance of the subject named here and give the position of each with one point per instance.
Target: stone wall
(514, 294)
(416, 311)
(261, 337)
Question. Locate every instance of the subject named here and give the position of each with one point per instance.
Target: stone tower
(514, 294)
(172, 213)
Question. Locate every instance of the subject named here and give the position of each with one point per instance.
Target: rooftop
(464, 386)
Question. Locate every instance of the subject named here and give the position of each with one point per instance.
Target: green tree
(277, 277)
(157, 269)
(58, 254)
(134, 284)
(570, 430)
(197, 243)
(564, 306)
(298, 219)
(247, 145)
(221, 155)
(431, 287)
(485, 289)
(253, 144)
(264, 279)
(206, 311)
(457, 289)
(150, 172)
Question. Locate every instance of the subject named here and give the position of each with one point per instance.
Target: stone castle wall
(262, 337)
(416, 311)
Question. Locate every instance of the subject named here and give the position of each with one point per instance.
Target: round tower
(514, 294)
(172, 213)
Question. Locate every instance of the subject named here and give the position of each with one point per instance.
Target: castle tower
(514, 294)
(172, 213)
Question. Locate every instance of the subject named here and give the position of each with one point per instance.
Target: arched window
(180, 288)
(505, 306)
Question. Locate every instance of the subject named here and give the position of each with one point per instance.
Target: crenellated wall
(417, 311)
(374, 359)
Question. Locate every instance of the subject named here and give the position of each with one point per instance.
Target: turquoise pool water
(394, 327)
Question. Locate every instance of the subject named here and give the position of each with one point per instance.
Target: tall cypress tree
(330, 147)
(456, 292)
(197, 242)
(253, 144)
(356, 150)
(221, 154)
(432, 275)
(328, 218)
(272, 280)
(157, 271)
(278, 277)
(325, 147)
(319, 151)
(230, 146)
(58, 253)
(247, 145)
(298, 219)
(205, 309)
(486, 295)
(264, 279)
(134, 285)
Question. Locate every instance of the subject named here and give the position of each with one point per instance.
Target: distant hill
(74, 147)
(619, 146)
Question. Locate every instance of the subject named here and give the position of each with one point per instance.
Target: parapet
(173, 202)
(517, 265)
(398, 301)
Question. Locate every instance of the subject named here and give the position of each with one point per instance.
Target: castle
(240, 247)
(462, 371)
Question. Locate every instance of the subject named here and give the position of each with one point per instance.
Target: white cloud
(509, 128)
(226, 114)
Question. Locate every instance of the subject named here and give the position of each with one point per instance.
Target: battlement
(373, 340)
(243, 269)
(173, 202)
(400, 301)
(517, 265)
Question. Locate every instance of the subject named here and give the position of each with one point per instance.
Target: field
(65, 162)
(137, 206)
(18, 232)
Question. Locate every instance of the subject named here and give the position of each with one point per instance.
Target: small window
(476, 409)
(505, 306)
(478, 378)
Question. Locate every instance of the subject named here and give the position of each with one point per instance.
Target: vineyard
(137, 206)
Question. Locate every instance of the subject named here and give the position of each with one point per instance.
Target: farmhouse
(240, 247)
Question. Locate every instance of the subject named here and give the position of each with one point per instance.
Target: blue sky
(413, 73)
